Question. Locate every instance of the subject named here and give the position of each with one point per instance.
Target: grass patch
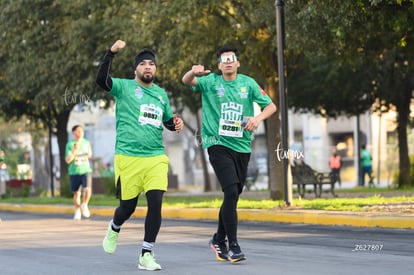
(214, 201)
(357, 190)
(350, 204)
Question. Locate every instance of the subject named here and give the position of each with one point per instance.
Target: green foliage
(12, 158)
(109, 185)
(25, 190)
(365, 40)
(333, 93)
(357, 53)
(65, 187)
(13, 154)
(17, 192)
(48, 53)
(351, 204)
(396, 176)
(392, 2)
(412, 169)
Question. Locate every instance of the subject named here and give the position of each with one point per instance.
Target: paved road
(39, 243)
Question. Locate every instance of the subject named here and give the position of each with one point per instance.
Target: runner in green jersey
(77, 155)
(142, 110)
(366, 166)
(228, 121)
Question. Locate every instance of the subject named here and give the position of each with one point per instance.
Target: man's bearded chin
(147, 79)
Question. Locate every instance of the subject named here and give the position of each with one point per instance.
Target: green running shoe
(109, 242)
(147, 262)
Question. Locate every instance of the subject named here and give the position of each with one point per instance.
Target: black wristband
(110, 53)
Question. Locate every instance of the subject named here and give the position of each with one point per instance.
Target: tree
(46, 49)
(360, 46)
(395, 71)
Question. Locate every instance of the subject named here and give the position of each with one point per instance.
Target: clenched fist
(117, 46)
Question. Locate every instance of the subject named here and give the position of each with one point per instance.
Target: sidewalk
(357, 219)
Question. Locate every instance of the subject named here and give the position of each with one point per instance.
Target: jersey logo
(161, 100)
(231, 111)
(243, 92)
(220, 91)
(139, 92)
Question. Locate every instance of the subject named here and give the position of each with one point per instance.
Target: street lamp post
(282, 96)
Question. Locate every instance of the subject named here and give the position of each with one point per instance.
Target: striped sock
(147, 247)
(115, 227)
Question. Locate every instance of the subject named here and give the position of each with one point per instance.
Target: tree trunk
(51, 164)
(404, 161)
(62, 138)
(40, 175)
(273, 139)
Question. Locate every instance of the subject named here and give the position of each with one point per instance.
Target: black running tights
(227, 225)
(153, 219)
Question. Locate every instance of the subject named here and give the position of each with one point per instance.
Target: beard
(147, 79)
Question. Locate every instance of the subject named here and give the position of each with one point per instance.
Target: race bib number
(81, 159)
(150, 114)
(230, 128)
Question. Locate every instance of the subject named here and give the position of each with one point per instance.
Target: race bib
(230, 128)
(150, 114)
(81, 159)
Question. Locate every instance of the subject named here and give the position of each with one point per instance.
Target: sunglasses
(228, 58)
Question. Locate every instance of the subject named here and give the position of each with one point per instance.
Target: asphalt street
(50, 243)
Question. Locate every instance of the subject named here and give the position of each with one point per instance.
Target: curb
(356, 219)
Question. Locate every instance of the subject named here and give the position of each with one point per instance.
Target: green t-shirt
(140, 113)
(366, 158)
(80, 164)
(224, 105)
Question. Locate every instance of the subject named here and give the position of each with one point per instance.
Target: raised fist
(117, 46)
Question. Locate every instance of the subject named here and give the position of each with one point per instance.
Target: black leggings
(153, 219)
(228, 220)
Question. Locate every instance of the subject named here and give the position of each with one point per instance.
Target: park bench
(303, 175)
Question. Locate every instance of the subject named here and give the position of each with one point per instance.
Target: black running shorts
(230, 166)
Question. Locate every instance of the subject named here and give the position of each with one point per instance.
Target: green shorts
(140, 174)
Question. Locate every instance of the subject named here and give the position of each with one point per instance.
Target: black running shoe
(220, 248)
(235, 253)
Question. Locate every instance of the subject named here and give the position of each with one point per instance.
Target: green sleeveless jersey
(224, 105)
(140, 113)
